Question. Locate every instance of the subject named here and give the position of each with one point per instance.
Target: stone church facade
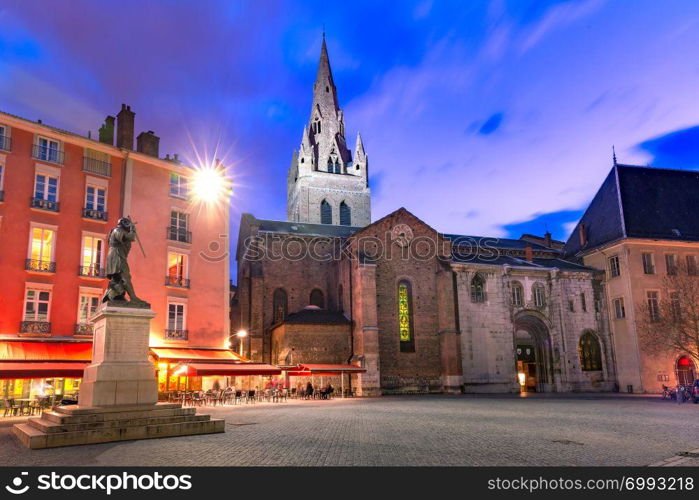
(416, 310)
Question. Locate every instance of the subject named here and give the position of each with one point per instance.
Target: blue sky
(491, 118)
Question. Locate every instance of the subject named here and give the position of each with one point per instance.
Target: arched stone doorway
(533, 353)
(684, 367)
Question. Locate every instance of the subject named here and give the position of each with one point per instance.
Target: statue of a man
(118, 271)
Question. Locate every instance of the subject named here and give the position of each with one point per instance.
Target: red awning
(230, 369)
(183, 353)
(307, 369)
(45, 351)
(24, 369)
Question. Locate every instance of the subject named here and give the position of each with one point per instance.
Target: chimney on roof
(106, 132)
(547, 239)
(125, 127)
(582, 234)
(148, 143)
(528, 253)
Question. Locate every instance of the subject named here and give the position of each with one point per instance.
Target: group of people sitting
(311, 392)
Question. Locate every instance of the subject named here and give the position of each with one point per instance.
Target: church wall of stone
(311, 190)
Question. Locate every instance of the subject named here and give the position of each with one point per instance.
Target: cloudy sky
(481, 117)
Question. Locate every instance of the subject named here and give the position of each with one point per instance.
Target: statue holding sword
(118, 272)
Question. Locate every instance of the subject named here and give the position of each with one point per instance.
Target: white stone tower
(326, 185)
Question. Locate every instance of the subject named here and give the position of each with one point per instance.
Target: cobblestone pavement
(410, 430)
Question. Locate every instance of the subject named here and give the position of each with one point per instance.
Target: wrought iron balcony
(95, 166)
(35, 327)
(88, 213)
(5, 143)
(51, 206)
(48, 154)
(176, 334)
(178, 234)
(93, 271)
(83, 329)
(42, 266)
(176, 281)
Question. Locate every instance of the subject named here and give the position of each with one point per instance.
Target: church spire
(359, 146)
(324, 90)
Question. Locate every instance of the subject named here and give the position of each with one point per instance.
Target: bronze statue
(118, 272)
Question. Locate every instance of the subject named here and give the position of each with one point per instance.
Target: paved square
(410, 430)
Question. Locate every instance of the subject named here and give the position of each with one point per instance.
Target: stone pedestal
(119, 393)
(120, 372)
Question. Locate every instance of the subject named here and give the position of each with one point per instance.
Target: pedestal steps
(75, 426)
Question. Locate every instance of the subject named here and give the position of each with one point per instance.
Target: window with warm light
(590, 353)
(91, 263)
(177, 269)
(41, 249)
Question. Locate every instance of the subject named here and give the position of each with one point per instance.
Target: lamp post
(241, 335)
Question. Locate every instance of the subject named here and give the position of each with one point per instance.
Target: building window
(691, 262)
(583, 302)
(95, 198)
(653, 306)
(338, 167)
(176, 321)
(86, 309)
(37, 305)
(5, 141)
(178, 185)
(2, 179)
(517, 294)
(326, 213)
(91, 263)
(405, 317)
(619, 311)
(676, 306)
(97, 162)
(648, 263)
(179, 225)
(590, 353)
(671, 264)
(317, 298)
(177, 270)
(477, 289)
(614, 269)
(539, 296)
(571, 305)
(345, 214)
(280, 305)
(41, 250)
(46, 188)
(48, 150)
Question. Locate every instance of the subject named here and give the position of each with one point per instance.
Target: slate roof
(640, 202)
(305, 228)
(535, 263)
(316, 317)
(501, 243)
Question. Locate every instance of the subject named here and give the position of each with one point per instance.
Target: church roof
(640, 202)
(500, 243)
(509, 260)
(305, 228)
(310, 316)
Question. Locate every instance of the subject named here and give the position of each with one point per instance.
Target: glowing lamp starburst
(210, 185)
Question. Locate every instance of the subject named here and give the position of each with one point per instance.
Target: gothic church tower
(326, 185)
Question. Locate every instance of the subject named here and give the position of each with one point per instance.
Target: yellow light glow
(242, 333)
(522, 378)
(180, 370)
(210, 184)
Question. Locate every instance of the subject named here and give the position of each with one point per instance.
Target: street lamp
(241, 335)
(210, 184)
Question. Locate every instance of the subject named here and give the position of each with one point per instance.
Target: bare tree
(668, 320)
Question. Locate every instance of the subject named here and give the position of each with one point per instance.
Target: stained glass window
(590, 355)
(405, 320)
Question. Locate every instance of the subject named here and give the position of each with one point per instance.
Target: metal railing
(93, 271)
(51, 206)
(43, 266)
(35, 327)
(95, 166)
(5, 143)
(89, 213)
(176, 334)
(176, 281)
(45, 153)
(83, 329)
(178, 234)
